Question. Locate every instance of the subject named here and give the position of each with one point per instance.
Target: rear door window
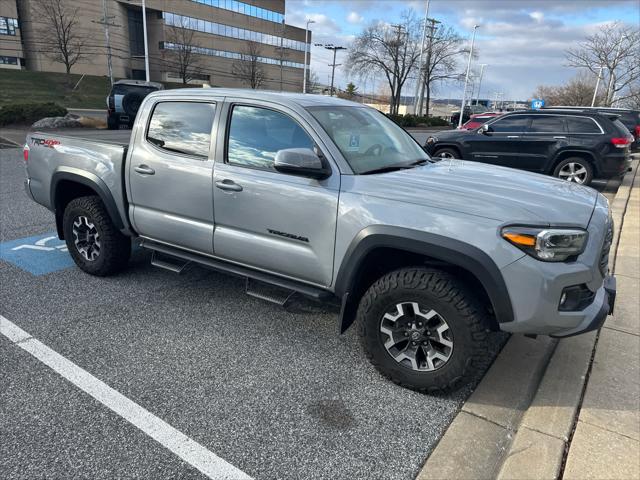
(547, 124)
(582, 125)
(182, 127)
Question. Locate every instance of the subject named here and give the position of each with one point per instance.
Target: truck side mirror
(303, 162)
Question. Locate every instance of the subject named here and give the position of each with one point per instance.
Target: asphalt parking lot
(276, 393)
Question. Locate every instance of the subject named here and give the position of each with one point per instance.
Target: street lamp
(146, 45)
(306, 50)
(466, 78)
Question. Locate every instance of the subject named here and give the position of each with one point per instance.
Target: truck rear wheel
(94, 242)
(423, 330)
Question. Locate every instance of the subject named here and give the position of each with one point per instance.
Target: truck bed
(117, 137)
(93, 160)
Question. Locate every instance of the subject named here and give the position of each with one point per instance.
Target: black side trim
(434, 246)
(239, 270)
(94, 183)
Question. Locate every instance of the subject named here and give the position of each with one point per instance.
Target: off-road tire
(115, 248)
(579, 161)
(437, 155)
(440, 290)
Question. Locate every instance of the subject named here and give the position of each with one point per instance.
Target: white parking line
(184, 447)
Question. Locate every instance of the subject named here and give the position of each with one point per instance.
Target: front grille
(606, 246)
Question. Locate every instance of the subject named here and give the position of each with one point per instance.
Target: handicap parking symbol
(38, 255)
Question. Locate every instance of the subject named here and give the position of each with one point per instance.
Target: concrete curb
(519, 419)
(538, 449)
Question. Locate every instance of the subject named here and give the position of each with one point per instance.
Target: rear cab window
(182, 127)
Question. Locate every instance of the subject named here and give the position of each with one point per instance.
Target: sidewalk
(606, 441)
(567, 409)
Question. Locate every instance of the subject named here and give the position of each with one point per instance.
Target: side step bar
(168, 262)
(227, 267)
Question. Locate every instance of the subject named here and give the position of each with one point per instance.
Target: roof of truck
(301, 99)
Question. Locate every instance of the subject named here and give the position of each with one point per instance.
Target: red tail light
(637, 131)
(25, 152)
(620, 142)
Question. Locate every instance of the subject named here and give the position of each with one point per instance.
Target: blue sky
(522, 41)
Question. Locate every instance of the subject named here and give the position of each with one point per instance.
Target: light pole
(146, 45)
(595, 91)
(424, 34)
(482, 65)
(466, 77)
(306, 50)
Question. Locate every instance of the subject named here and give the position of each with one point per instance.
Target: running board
(268, 292)
(168, 262)
(238, 270)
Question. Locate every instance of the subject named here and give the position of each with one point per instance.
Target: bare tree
(576, 92)
(249, 68)
(58, 30)
(182, 51)
(441, 62)
(392, 50)
(614, 48)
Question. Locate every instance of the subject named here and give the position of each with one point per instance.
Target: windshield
(368, 140)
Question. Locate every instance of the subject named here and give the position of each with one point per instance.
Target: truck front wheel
(424, 330)
(94, 242)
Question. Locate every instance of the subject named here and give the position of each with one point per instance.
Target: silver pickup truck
(330, 199)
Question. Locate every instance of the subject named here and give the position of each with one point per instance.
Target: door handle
(513, 136)
(559, 137)
(228, 185)
(144, 170)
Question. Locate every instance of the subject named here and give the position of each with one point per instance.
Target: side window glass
(582, 125)
(182, 127)
(257, 134)
(547, 124)
(514, 124)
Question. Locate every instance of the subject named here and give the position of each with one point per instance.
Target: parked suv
(572, 145)
(630, 119)
(331, 199)
(125, 99)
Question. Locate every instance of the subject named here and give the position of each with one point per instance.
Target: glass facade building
(245, 9)
(232, 55)
(205, 26)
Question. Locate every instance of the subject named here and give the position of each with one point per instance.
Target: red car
(478, 119)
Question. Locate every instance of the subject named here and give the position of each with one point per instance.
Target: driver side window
(256, 134)
(514, 124)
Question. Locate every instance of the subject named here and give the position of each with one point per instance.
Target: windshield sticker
(354, 143)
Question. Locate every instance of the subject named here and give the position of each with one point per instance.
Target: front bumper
(606, 309)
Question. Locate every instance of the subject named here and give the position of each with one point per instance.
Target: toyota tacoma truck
(312, 195)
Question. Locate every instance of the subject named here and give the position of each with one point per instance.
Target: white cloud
(354, 17)
(537, 16)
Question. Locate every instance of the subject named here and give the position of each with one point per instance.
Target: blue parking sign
(537, 103)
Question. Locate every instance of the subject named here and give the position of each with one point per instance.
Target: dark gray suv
(574, 145)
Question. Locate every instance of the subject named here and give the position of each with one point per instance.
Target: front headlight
(547, 244)
(432, 140)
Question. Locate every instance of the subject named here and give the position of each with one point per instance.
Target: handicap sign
(537, 103)
(38, 255)
(354, 143)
